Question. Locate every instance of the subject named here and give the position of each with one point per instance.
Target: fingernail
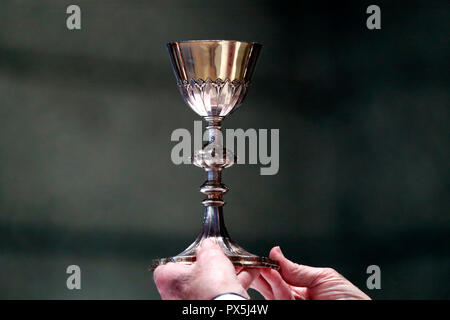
(280, 251)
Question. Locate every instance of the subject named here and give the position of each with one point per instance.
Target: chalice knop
(213, 77)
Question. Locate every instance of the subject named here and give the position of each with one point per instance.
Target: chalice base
(237, 255)
(214, 228)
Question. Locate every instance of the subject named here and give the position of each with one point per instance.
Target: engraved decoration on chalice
(213, 77)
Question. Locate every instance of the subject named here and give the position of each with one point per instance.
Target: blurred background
(86, 117)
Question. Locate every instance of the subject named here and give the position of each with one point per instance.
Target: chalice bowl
(213, 77)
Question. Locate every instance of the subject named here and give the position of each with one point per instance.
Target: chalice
(213, 77)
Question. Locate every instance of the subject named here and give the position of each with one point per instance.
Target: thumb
(211, 257)
(296, 274)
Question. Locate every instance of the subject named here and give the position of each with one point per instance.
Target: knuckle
(294, 269)
(327, 273)
(296, 266)
(162, 273)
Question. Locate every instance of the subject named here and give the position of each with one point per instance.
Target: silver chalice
(213, 77)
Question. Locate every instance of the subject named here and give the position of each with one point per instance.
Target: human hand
(211, 275)
(299, 282)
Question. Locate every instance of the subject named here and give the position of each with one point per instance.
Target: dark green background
(86, 118)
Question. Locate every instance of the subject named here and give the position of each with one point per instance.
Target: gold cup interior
(213, 59)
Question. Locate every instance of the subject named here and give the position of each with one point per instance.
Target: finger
(296, 274)
(300, 293)
(160, 271)
(170, 271)
(262, 286)
(166, 275)
(280, 289)
(246, 276)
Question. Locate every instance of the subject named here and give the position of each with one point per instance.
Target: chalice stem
(213, 222)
